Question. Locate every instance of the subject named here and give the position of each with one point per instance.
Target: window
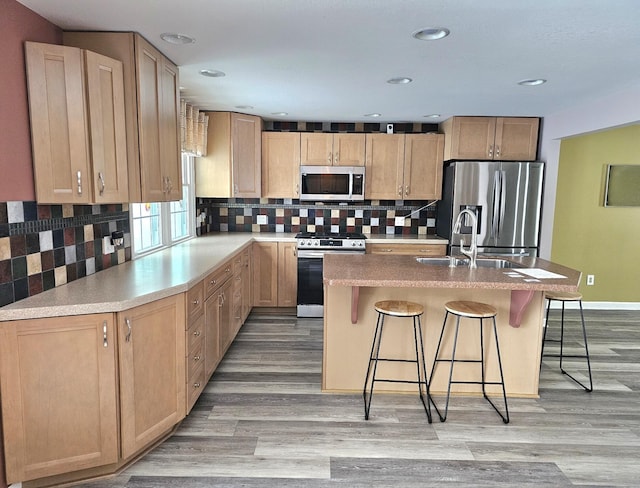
(158, 225)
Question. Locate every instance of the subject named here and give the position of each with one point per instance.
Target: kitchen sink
(461, 262)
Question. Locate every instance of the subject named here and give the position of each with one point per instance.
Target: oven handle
(320, 254)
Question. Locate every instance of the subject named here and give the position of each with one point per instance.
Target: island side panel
(347, 346)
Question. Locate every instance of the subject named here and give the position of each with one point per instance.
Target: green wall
(598, 240)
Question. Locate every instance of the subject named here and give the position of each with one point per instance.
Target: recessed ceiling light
(244, 107)
(172, 38)
(431, 33)
(399, 81)
(373, 115)
(212, 73)
(432, 116)
(532, 82)
(281, 114)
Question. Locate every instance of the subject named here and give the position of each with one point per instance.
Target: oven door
(310, 301)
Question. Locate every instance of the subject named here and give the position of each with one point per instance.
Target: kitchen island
(352, 284)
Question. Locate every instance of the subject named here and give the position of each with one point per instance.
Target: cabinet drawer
(195, 359)
(195, 334)
(411, 249)
(195, 386)
(216, 278)
(195, 303)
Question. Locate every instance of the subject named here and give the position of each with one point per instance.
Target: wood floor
(263, 422)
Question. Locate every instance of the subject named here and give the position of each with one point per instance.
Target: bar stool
(472, 310)
(397, 308)
(563, 298)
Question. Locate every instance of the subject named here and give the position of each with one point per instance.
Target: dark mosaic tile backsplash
(287, 215)
(44, 246)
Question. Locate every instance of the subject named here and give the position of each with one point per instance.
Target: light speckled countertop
(374, 270)
(158, 275)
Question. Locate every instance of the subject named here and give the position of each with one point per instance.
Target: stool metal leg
(435, 364)
(375, 349)
(420, 363)
(562, 355)
(505, 418)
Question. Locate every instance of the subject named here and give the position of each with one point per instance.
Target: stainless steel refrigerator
(506, 197)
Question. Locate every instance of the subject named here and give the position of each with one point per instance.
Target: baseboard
(599, 305)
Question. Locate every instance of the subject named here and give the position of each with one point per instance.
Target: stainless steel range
(312, 246)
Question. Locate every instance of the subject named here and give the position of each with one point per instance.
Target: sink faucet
(472, 251)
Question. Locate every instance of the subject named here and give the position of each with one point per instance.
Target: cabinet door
(470, 137)
(246, 137)
(58, 395)
(423, 166)
(408, 249)
(212, 349)
(287, 274)
(516, 138)
(59, 137)
(384, 168)
(265, 274)
(280, 164)
(316, 149)
(151, 346)
(169, 131)
(149, 71)
(105, 93)
(348, 149)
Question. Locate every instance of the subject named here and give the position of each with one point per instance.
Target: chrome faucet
(472, 251)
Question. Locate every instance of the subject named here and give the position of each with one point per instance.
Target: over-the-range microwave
(335, 183)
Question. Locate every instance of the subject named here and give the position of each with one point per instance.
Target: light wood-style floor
(263, 422)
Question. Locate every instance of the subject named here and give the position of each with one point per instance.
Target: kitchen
(567, 123)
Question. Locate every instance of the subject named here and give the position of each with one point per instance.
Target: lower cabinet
(275, 278)
(151, 345)
(59, 391)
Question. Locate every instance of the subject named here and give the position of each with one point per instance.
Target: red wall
(17, 24)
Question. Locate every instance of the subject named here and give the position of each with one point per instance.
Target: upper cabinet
(280, 164)
(232, 167)
(493, 138)
(403, 166)
(327, 149)
(76, 101)
(151, 96)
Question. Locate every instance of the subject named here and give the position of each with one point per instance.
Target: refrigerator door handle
(496, 204)
(503, 198)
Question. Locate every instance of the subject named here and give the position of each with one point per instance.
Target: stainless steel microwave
(335, 183)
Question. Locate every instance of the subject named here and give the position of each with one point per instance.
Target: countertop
(374, 270)
(158, 275)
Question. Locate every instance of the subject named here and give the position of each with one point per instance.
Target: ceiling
(329, 60)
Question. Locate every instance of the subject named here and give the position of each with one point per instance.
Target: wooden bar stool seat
(564, 297)
(400, 309)
(471, 310)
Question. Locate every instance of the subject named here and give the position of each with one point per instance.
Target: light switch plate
(107, 247)
(400, 221)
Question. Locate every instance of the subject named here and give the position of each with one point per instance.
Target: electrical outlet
(399, 221)
(591, 280)
(107, 247)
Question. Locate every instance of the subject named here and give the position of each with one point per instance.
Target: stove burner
(351, 241)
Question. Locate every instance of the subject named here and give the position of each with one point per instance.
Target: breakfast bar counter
(352, 284)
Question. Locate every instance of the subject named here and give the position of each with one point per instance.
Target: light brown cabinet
(280, 164)
(151, 346)
(337, 149)
(403, 166)
(217, 313)
(194, 341)
(151, 95)
(232, 167)
(275, 274)
(407, 249)
(493, 138)
(58, 395)
(76, 100)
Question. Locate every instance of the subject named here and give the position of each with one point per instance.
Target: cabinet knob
(196, 385)
(196, 358)
(196, 333)
(196, 302)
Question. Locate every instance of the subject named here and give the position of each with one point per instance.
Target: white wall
(612, 110)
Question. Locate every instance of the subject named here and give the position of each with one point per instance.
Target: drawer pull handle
(196, 358)
(197, 333)
(196, 385)
(105, 343)
(196, 302)
(127, 337)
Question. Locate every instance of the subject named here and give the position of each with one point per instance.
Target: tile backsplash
(44, 246)
(289, 215)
